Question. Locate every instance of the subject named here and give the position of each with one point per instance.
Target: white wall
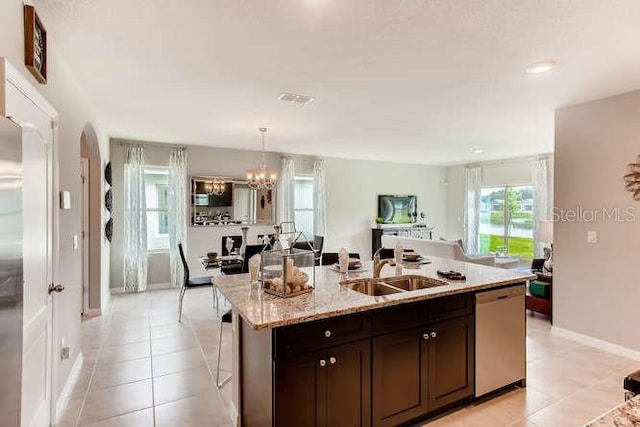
(352, 196)
(353, 187)
(596, 288)
(497, 173)
(201, 161)
(74, 112)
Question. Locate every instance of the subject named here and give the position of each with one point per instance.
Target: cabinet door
(399, 377)
(298, 383)
(450, 361)
(346, 401)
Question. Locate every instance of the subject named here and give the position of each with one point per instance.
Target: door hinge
(82, 178)
(54, 124)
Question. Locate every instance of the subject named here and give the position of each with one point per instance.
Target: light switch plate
(65, 200)
(592, 237)
(75, 242)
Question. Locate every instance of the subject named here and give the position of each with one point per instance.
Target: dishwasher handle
(499, 294)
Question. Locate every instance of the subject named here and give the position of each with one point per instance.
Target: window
(303, 205)
(156, 187)
(506, 220)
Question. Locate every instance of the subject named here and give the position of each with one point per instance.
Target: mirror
(225, 201)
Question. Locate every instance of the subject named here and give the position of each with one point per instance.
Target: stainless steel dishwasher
(500, 338)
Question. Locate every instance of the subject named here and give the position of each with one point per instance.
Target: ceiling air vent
(296, 99)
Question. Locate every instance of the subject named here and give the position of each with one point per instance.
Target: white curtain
(319, 201)
(285, 194)
(135, 222)
(540, 200)
(177, 192)
(472, 190)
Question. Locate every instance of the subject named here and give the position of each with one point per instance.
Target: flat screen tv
(395, 209)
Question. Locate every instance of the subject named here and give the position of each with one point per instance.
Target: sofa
(438, 248)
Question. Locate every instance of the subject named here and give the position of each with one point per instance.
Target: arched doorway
(91, 163)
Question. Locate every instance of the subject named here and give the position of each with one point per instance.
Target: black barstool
(226, 318)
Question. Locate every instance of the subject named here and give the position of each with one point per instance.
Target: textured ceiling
(420, 81)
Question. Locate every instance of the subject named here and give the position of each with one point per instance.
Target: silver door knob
(425, 336)
(327, 333)
(333, 360)
(55, 288)
(433, 335)
(323, 362)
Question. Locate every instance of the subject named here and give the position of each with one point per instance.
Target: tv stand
(421, 231)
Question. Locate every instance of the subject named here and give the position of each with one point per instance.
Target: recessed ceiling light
(540, 67)
(477, 150)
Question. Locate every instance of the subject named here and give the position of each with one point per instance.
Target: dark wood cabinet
(399, 380)
(421, 370)
(450, 363)
(296, 384)
(367, 369)
(331, 387)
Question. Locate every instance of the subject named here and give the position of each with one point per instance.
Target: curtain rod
(124, 143)
(504, 161)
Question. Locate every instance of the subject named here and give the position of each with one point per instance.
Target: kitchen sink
(412, 283)
(372, 287)
(391, 285)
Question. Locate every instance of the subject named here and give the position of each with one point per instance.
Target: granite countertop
(625, 415)
(329, 298)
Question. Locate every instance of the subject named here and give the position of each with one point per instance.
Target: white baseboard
(63, 399)
(158, 286)
(93, 312)
(150, 287)
(597, 343)
(235, 416)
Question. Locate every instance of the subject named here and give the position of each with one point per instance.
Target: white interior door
(37, 190)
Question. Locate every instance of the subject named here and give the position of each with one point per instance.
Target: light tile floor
(143, 368)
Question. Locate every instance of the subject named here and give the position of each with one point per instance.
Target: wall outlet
(592, 237)
(64, 350)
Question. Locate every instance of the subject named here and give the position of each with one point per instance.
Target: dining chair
(329, 258)
(237, 242)
(188, 282)
(388, 253)
(250, 251)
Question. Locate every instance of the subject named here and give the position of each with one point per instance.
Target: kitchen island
(338, 356)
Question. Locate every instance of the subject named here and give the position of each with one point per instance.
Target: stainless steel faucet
(378, 264)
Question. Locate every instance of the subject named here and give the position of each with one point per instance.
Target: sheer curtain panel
(540, 201)
(285, 194)
(472, 190)
(319, 201)
(135, 222)
(177, 210)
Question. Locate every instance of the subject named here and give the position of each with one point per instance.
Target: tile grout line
(95, 365)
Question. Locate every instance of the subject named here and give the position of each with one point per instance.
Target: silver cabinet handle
(433, 335)
(323, 362)
(327, 333)
(55, 288)
(333, 360)
(425, 336)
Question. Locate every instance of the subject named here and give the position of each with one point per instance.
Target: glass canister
(288, 272)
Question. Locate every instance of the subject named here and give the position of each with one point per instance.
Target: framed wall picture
(35, 44)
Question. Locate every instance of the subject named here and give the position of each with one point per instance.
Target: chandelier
(215, 187)
(261, 178)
